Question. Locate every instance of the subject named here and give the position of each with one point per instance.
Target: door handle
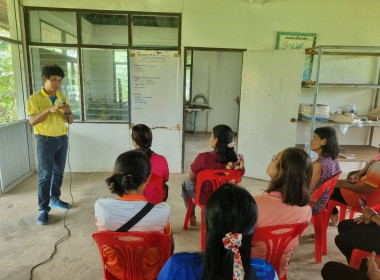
(293, 120)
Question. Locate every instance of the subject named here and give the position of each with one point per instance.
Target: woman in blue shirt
(230, 217)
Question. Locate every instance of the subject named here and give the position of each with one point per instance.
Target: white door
(270, 96)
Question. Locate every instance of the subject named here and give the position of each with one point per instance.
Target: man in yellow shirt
(48, 111)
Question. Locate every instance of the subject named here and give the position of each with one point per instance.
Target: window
(68, 61)
(8, 111)
(11, 86)
(105, 85)
(52, 27)
(154, 31)
(96, 64)
(188, 74)
(8, 10)
(121, 76)
(104, 29)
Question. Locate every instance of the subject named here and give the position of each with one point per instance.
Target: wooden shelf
(344, 50)
(311, 84)
(363, 153)
(330, 123)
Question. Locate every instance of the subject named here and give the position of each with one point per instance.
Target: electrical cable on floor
(67, 236)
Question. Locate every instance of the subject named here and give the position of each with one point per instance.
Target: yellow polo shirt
(54, 124)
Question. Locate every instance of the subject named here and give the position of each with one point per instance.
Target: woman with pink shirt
(286, 201)
(142, 140)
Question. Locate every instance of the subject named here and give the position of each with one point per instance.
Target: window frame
(19, 43)
(80, 46)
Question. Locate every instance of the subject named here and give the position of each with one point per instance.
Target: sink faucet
(200, 95)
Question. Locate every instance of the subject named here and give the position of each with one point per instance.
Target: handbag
(134, 220)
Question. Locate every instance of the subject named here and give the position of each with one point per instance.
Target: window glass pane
(188, 83)
(188, 57)
(53, 27)
(4, 22)
(105, 74)
(11, 83)
(67, 59)
(104, 29)
(152, 31)
(8, 111)
(8, 19)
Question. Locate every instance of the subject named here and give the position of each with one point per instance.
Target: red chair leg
(203, 231)
(190, 206)
(330, 208)
(342, 213)
(317, 239)
(324, 234)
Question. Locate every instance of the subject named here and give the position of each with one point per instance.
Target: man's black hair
(52, 70)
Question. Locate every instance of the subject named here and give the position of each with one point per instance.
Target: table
(362, 153)
(196, 109)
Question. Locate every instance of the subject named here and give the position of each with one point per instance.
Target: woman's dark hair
(229, 209)
(225, 136)
(293, 178)
(132, 169)
(52, 70)
(331, 149)
(142, 135)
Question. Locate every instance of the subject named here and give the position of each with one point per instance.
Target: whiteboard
(154, 88)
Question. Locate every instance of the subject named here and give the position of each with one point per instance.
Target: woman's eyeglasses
(275, 158)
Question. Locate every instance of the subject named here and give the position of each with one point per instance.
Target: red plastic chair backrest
(130, 248)
(158, 181)
(216, 177)
(329, 184)
(373, 198)
(277, 238)
(357, 256)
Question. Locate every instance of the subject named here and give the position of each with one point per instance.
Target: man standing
(48, 110)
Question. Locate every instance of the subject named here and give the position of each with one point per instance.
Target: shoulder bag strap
(141, 214)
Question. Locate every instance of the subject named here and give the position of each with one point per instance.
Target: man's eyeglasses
(275, 158)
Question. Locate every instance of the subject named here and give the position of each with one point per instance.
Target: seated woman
(357, 176)
(230, 218)
(325, 144)
(222, 157)
(349, 192)
(142, 139)
(131, 173)
(361, 233)
(286, 201)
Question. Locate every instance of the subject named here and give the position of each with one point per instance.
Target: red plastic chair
(158, 181)
(371, 200)
(130, 248)
(320, 221)
(217, 177)
(277, 238)
(357, 256)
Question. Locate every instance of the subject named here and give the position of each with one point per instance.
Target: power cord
(67, 236)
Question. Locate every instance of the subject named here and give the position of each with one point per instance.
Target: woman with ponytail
(142, 140)
(131, 173)
(222, 157)
(230, 217)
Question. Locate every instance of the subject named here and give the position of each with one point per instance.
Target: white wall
(239, 24)
(95, 147)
